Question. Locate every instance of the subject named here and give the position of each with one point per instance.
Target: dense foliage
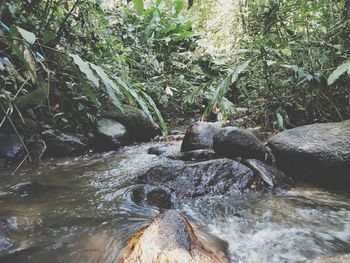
(295, 56)
(65, 60)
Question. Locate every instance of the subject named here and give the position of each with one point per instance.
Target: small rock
(62, 144)
(232, 142)
(270, 175)
(138, 125)
(110, 135)
(200, 136)
(10, 146)
(37, 148)
(152, 195)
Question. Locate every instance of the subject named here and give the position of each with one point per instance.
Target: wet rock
(139, 126)
(152, 195)
(169, 150)
(169, 238)
(62, 144)
(27, 127)
(200, 136)
(314, 151)
(336, 259)
(196, 179)
(232, 142)
(36, 147)
(2, 162)
(271, 176)
(110, 135)
(198, 155)
(10, 146)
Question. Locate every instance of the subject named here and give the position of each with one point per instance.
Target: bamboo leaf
(29, 37)
(139, 6)
(163, 124)
(345, 67)
(85, 68)
(112, 89)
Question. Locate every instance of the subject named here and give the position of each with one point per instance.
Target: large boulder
(314, 150)
(200, 136)
(61, 144)
(110, 135)
(197, 179)
(10, 146)
(139, 126)
(271, 176)
(169, 238)
(232, 142)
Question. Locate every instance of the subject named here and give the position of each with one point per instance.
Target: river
(81, 210)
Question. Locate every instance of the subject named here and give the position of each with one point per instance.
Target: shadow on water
(81, 210)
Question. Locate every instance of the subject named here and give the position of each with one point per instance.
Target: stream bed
(81, 210)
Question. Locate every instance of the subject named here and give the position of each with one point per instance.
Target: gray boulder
(10, 146)
(200, 136)
(139, 126)
(232, 142)
(314, 150)
(270, 175)
(110, 135)
(62, 144)
(197, 179)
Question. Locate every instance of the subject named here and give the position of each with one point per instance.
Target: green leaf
(112, 89)
(139, 6)
(85, 68)
(179, 5)
(345, 67)
(29, 37)
(134, 96)
(280, 121)
(48, 36)
(163, 124)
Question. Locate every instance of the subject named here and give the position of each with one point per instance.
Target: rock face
(271, 176)
(62, 144)
(139, 126)
(10, 146)
(197, 179)
(110, 135)
(152, 195)
(313, 150)
(169, 238)
(200, 136)
(235, 142)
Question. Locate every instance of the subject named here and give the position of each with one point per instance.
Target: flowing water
(81, 210)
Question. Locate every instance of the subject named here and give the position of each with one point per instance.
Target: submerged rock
(232, 142)
(196, 179)
(10, 146)
(200, 136)
(62, 144)
(110, 135)
(169, 238)
(271, 176)
(314, 150)
(152, 195)
(139, 126)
